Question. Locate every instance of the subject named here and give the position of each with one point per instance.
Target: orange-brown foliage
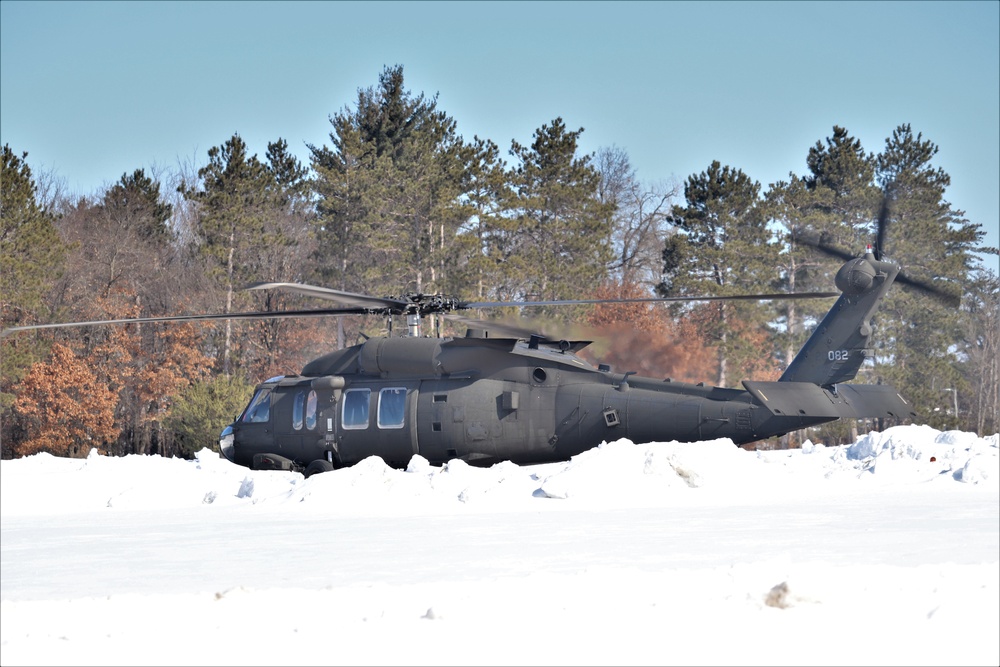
(114, 353)
(64, 408)
(642, 337)
(749, 343)
(143, 366)
(755, 363)
(175, 364)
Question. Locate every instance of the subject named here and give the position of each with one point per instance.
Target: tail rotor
(823, 243)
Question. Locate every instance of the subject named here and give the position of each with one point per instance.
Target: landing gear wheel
(319, 465)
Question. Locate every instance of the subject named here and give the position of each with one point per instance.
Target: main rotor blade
(276, 314)
(579, 302)
(349, 298)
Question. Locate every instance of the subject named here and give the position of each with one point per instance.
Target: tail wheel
(319, 465)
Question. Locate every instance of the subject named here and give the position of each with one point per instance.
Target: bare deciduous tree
(639, 223)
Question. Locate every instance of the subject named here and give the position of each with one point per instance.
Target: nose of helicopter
(226, 443)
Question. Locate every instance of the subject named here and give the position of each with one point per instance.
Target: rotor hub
(427, 304)
(856, 276)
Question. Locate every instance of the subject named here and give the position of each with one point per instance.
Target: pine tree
(389, 193)
(135, 203)
(479, 240)
(248, 232)
(30, 249)
(561, 229)
(286, 252)
(724, 248)
(795, 208)
(204, 408)
(921, 339)
(32, 257)
(842, 175)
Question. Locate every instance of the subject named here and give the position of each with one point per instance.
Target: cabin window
(391, 407)
(259, 409)
(298, 408)
(355, 411)
(311, 410)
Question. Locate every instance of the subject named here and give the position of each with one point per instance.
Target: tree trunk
(229, 304)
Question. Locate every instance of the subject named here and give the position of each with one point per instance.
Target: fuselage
(481, 400)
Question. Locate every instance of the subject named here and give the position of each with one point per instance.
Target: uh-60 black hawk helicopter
(529, 398)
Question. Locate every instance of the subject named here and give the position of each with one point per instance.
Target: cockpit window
(297, 410)
(391, 407)
(311, 410)
(259, 409)
(355, 411)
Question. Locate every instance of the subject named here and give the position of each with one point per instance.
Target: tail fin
(839, 345)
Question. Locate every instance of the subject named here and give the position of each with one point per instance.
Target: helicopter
(532, 399)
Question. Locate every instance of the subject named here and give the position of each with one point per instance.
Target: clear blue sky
(93, 90)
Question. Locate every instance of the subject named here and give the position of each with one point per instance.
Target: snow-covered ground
(886, 551)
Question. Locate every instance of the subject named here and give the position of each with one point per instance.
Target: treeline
(398, 201)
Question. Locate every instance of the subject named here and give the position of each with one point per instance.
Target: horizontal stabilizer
(873, 400)
(795, 399)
